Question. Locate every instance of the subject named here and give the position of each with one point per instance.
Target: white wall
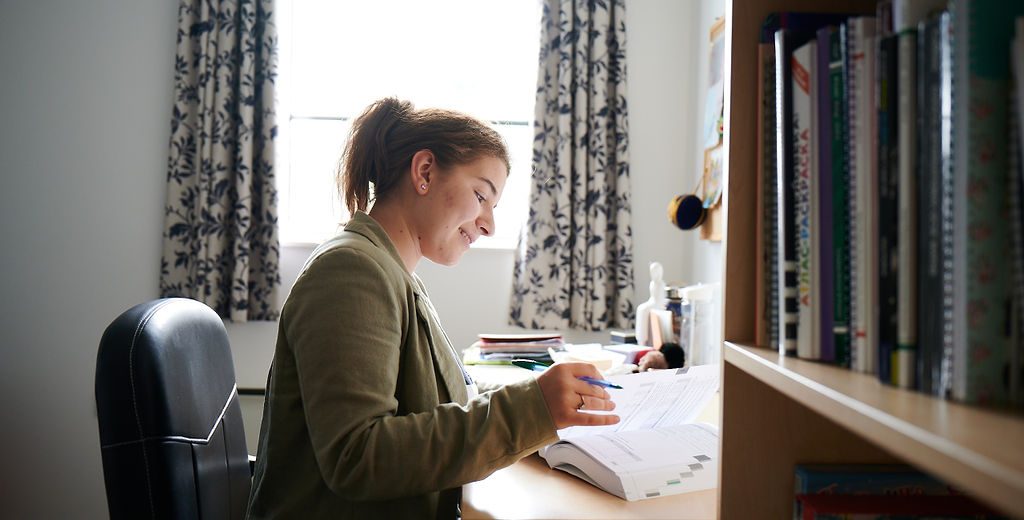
(86, 94)
(707, 256)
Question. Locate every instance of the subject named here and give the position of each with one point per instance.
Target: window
(476, 56)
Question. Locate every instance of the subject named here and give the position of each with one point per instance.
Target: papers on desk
(655, 449)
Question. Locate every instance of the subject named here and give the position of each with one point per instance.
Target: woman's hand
(568, 398)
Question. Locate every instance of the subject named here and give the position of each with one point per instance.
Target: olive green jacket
(367, 412)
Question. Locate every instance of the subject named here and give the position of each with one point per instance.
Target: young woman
(369, 412)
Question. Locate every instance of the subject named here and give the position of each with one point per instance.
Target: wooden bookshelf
(779, 412)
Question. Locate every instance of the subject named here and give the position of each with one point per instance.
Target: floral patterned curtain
(574, 267)
(220, 230)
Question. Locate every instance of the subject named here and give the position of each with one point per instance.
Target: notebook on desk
(656, 449)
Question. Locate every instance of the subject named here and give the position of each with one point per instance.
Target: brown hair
(389, 132)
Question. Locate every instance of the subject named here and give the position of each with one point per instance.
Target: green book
(840, 204)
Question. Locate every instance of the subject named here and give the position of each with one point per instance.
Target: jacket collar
(364, 225)
(452, 374)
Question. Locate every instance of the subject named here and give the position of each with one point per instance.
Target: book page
(641, 464)
(632, 451)
(655, 399)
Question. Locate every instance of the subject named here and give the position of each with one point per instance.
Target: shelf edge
(926, 449)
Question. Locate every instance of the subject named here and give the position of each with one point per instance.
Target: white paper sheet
(656, 398)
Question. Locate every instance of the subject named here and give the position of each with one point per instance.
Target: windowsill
(299, 245)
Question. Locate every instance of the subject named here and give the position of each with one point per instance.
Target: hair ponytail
(389, 132)
(365, 159)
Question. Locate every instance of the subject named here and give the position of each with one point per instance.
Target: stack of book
(890, 235)
(506, 347)
(877, 491)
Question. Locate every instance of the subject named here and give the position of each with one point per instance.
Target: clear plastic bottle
(702, 324)
(643, 311)
(674, 304)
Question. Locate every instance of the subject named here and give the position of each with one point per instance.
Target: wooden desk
(529, 489)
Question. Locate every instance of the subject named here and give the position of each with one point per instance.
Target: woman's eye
(479, 197)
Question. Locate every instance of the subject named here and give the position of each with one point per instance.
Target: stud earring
(423, 187)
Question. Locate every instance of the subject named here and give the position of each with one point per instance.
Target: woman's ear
(421, 171)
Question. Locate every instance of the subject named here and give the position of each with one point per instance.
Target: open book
(655, 449)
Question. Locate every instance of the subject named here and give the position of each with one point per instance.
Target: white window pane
(479, 56)
(314, 209)
(475, 56)
(511, 213)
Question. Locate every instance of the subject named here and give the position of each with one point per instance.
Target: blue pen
(599, 382)
(536, 366)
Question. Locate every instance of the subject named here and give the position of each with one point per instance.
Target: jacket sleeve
(346, 322)
(487, 386)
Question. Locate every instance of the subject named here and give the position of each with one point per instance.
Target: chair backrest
(171, 429)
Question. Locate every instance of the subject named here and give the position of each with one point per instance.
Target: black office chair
(171, 429)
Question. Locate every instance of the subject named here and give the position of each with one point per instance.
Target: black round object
(674, 355)
(687, 212)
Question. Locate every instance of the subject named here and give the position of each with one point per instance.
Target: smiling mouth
(469, 239)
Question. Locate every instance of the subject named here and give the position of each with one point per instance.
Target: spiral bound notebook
(859, 35)
(982, 32)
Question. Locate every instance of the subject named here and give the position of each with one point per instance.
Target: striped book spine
(788, 310)
(863, 187)
(803, 76)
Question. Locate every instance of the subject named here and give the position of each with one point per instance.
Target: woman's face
(459, 208)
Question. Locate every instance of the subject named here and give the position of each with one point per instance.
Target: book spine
(840, 204)
(761, 319)
(929, 275)
(1016, 226)
(784, 181)
(866, 480)
(982, 30)
(888, 203)
(853, 230)
(768, 292)
(946, 88)
(903, 358)
(814, 215)
(802, 68)
(1017, 214)
(825, 291)
(771, 206)
(864, 180)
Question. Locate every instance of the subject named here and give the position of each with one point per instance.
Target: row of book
(890, 235)
(503, 348)
(878, 491)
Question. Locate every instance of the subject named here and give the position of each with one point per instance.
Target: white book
(907, 13)
(805, 165)
(864, 181)
(656, 449)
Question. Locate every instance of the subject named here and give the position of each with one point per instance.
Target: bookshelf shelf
(973, 448)
(778, 412)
